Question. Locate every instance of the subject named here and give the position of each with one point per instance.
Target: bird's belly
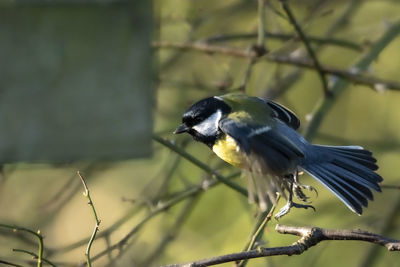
(227, 149)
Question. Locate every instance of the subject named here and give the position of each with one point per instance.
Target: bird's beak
(181, 129)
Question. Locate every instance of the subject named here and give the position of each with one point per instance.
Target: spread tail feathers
(347, 171)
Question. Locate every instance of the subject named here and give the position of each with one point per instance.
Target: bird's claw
(285, 209)
(309, 188)
(303, 206)
(298, 192)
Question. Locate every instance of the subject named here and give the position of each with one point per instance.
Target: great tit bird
(260, 136)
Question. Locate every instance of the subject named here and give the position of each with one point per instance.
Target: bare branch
(96, 226)
(284, 83)
(314, 235)
(207, 48)
(391, 186)
(353, 75)
(37, 234)
(285, 37)
(261, 24)
(325, 104)
(310, 236)
(258, 231)
(160, 207)
(200, 164)
(307, 44)
(387, 225)
(247, 74)
(33, 255)
(10, 263)
(171, 234)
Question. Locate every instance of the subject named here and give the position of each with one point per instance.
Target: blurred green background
(129, 195)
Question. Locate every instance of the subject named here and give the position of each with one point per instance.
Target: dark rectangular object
(75, 81)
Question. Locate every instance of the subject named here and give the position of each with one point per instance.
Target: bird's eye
(191, 121)
(196, 120)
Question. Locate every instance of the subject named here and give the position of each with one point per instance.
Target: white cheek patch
(209, 126)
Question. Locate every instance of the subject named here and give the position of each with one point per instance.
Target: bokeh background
(171, 210)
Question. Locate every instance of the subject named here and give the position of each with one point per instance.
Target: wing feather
(283, 114)
(277, 151)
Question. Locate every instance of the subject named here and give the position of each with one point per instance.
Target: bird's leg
(285, 209)
(298, 186)
(289, 204)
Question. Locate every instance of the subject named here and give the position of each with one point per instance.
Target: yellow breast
(226, 149)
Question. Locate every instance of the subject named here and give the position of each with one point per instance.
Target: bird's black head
(201, 120)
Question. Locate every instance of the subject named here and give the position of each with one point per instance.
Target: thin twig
(35, 256)
(285, 37)
(325, 104)
(96, 227)
(389, 186)
(309, 237)
(290, 79)
(172, 232)
(10, 263)
(206, 48)
(355, 75)
(135, 210)
(259, 229)
(162, 206)
(37, 234)
(106, 232)
(381, 145)
(307, 44)
(259, 48)
(388, 224)
(343, 19)
(247, 75)
(200, 164)
(261, 24)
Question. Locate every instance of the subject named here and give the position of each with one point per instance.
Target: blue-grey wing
(283, 114)
(278, 152)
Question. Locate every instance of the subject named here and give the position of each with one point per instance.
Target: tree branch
(37, 234)
(309, 237)
(325, 104)
(163, 206)
(96, 226)
(200, 164)
(33, 255)
(353, 75)
(314, 235)
(261, 24)
(10, 263)
(285, 37)
(390, 186)
(258, 230)
(307, 44)
(387, 225)
(172, 232)
(284, 83)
